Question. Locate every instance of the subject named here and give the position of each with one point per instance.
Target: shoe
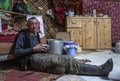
(107, 67)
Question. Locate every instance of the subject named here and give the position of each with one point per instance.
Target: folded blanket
(5, 48)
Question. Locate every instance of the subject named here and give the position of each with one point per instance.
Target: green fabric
(28, 7)
(5, 4)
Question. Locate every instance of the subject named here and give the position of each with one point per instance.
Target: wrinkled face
(33, 25)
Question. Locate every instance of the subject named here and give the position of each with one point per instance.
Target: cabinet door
(76, 35)
(89, 33)
(104, 33)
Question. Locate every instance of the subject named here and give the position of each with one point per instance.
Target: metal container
(71, 13)
(55, 46)
(117, 47)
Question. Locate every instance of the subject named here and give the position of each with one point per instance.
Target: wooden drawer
(74, 22)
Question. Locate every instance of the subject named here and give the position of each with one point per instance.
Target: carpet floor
(9, 72)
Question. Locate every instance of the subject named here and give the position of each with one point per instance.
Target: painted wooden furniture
(90, 32)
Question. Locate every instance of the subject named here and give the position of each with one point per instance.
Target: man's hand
(39, 48)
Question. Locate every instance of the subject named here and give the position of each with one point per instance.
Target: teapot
(70, 13)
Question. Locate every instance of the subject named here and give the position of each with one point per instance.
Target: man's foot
(106, 67)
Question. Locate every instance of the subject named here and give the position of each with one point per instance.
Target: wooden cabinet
(90, 32)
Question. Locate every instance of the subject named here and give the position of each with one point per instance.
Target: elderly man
(31, 54)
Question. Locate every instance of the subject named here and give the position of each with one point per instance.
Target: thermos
(94, 12)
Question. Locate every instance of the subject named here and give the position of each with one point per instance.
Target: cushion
(5, 48)
(7, 39)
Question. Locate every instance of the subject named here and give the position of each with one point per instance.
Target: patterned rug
(9, 72)
(17, 75)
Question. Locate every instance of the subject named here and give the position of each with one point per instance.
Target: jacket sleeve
(19, 49)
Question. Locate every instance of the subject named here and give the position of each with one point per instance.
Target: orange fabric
(43, 40)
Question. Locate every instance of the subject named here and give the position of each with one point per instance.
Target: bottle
(94, 12)
(90, 12)
(79, 49)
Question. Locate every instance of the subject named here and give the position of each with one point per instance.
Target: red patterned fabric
(8, 31)
(8, 34)
(107, 7)
(17, 75)
(7, 39)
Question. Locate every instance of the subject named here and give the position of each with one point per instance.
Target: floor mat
(16, 75)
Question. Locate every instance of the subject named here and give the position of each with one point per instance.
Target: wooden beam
(13, 12)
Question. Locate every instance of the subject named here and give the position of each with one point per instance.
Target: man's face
(33, 25)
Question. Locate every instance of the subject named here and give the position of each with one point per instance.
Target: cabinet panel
(89, 33)
(104, 33)
(76, 35)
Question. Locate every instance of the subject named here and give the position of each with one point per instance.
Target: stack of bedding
(6, 46)
(7, 38)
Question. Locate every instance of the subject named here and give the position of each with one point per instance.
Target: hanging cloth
(22, 6)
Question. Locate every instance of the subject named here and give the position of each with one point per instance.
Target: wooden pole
(13, 12)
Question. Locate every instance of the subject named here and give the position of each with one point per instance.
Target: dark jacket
(23, 47)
